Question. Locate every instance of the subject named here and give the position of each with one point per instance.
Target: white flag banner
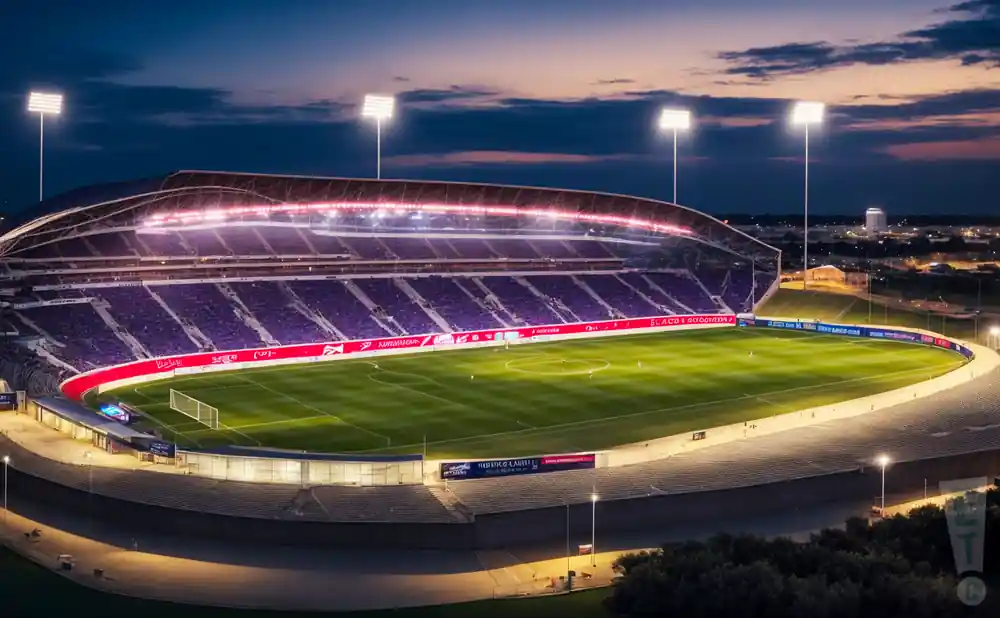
(966, 515)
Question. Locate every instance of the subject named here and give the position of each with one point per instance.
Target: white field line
(373, 378)
(236, 431)
(661, 410)
(313, 408)
(269, 423)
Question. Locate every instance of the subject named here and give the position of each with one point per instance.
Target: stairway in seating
(244, 313)
(492, 300)
(666, 310)
(482, 304)
(659, 289)
(421, 302)
(716, 299)
(612, 311)
(552, 304)
(299, 305)
(372, 309)
(198, 338)
(41, 348)
(452, 504)
(101, 307)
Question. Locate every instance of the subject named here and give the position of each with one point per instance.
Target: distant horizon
(892, 216)
(562, 94)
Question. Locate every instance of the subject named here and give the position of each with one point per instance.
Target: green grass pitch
(576, 395)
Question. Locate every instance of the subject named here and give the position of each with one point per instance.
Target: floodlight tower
(379, 107)
(804, 114)
(883, 461)
(675, 120)
(41, 103)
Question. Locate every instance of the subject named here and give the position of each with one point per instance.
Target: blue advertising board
(8, 399)
(464, 470)
(859, 331)
(163, 449)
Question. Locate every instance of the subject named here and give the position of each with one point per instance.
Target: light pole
(995, 334)
(675, 120)
(380, 107)
(6, 463)
(883, 461)
(41, 103)
(804, 114)
(593, 530)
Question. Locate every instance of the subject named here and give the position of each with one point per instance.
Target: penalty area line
(315, 409)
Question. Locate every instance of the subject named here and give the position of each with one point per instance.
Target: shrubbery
(899, 566)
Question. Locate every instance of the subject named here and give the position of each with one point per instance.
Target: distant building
(875, 222)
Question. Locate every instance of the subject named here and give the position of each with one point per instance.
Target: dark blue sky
(552, 93)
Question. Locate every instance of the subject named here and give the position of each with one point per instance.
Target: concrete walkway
(199, 571)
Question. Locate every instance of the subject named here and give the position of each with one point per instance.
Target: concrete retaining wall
(515, 528)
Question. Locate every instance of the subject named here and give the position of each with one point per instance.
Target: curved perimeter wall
(34, 495)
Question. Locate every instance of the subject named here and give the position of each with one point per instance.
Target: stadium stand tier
(205, 261)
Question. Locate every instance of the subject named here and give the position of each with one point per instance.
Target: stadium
(453, 365)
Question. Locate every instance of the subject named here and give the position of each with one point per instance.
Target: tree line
(898, 566)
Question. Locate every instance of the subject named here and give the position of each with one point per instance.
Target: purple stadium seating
(454, 305)
(135, 309)
(387, 295)
(336, 303)
(208, 309)
(272, 308)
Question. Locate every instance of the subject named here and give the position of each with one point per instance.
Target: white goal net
(198, 410)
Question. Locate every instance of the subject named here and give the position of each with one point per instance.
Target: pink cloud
(499, 157)
(968, 150)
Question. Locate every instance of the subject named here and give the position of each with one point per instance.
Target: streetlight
(379, 107)
(41, 103)
(6, 464)
(593, 530)
(675, 120)
(883, 461)
(806, 113)
(995, 333)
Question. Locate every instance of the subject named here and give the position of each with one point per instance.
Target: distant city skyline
(556, 94)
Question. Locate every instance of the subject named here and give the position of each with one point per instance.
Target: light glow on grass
(567, 396)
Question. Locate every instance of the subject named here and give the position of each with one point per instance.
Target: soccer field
(576, 395)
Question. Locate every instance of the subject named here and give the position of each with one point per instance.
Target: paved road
(206, 573)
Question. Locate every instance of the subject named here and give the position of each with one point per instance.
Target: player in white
(472, 377)
(751, 353)
(640, 364)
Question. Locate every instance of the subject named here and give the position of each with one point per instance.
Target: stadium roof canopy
(202, 199)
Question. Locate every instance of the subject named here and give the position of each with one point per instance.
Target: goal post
(198, 410)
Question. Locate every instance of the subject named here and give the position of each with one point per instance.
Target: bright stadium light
(379, 107)
(804, 114)
(675, 120)
(197, 217)
(883, 461)
(42, 103)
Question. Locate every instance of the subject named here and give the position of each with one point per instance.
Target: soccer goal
(198, 410)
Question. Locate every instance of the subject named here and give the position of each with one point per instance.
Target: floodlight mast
(43, 103)
(806, 113)
(379, 107)
(675, 120)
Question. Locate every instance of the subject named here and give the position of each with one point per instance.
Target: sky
(555, 93)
